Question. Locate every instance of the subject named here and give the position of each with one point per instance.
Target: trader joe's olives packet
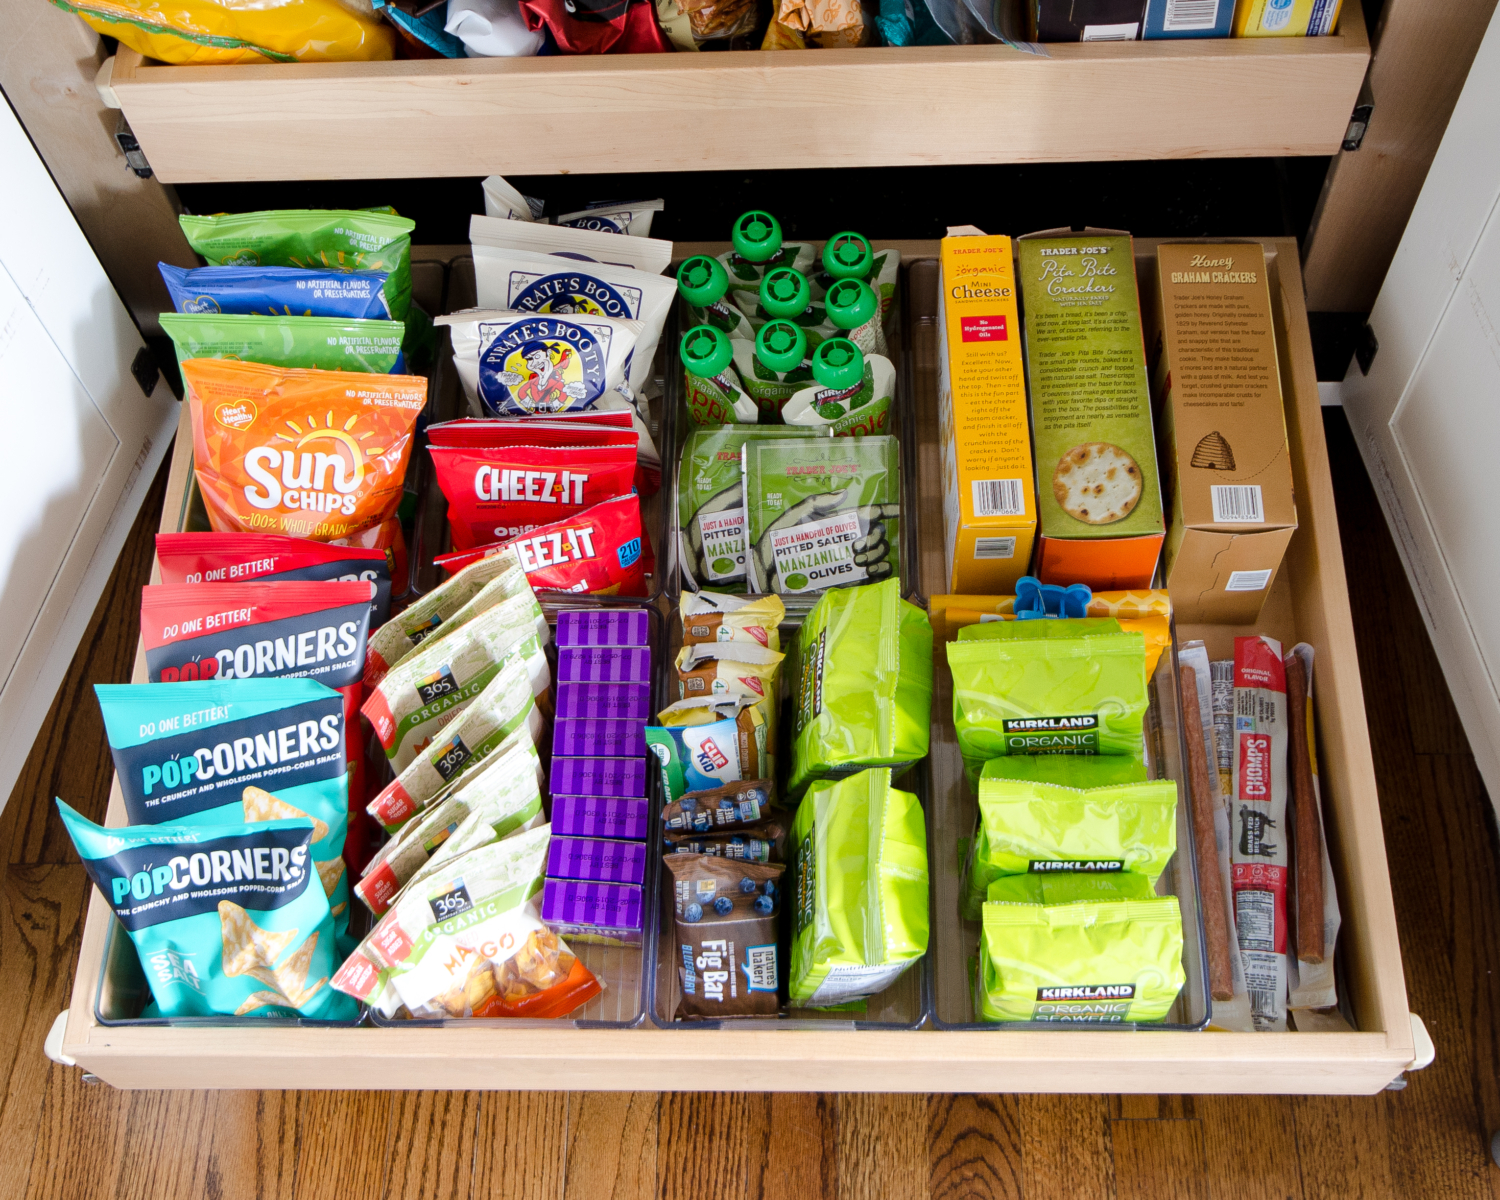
(860, 889)
(822, 513)
(725, 918)
(863, 683)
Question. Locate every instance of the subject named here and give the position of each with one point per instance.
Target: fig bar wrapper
(1041, 828)
(720, 617)
(253, 940)
(725, 921)
(1258, 854)
(328, 343)
(446, 605)
(863, 682)
(319, 454)
(505, 709)
(765, 843)
(859, 889)
(513, 363)
(725, 809)
(277, 291)
(431, 687)
(711, 501)
(273, 557)
(821, 513)
(1096, 963)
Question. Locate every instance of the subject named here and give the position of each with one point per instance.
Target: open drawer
(1309, 602)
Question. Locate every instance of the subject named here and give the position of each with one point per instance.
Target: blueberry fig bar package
(722, 810)
(725, 922)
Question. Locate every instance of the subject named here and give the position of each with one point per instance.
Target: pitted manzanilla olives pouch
(1109, 963)
(859, 889)
(863, 684)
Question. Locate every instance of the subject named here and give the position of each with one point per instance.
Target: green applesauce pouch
(863, 680)
(774, 367)
(859, 889)
(1110, 963)
(821, 513)
(851, 394)
(711, 391)
(327, 343)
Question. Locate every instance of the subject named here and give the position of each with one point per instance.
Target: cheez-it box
(1223, 430)
(989, 509)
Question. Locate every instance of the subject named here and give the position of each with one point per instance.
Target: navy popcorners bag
(277, 291)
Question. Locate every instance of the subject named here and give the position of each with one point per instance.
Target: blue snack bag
(236, 751)
(277, 291)
(228, 920)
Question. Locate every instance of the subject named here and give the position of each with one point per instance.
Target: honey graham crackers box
(1227, 471)
(1098, 496)
(989, 509)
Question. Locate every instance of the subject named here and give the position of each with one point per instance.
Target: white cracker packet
(627, 217)
(501, 199)
(587, 245)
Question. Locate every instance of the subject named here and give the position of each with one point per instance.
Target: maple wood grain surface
(63, 1137)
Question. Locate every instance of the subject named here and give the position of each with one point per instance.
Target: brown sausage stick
(1307, 841)
(1204, 798)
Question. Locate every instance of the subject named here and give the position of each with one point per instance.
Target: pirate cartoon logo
(572, 292)
(541, 367)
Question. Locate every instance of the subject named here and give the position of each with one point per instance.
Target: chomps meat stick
(1308, 841)
(1210, 885)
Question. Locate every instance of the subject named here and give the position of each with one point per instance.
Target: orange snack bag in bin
(315, 454)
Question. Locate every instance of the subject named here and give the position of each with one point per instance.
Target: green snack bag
(860, 889)
(1110, 963)
(711, 502)
(1082, 771)
(1041, 828)
(851, 394)
(327, 343)
(1048, 628)
(822, 513)
(1071, 887)
(864, 684)
(1049, 695)
(712, 392)
(774, 367)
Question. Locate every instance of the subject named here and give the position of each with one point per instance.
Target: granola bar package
(718, 617)
(725, 919)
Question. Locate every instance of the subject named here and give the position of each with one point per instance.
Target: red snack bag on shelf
(592, 427)
(598, 26)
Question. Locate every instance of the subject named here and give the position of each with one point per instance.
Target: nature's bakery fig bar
(1098, 497)
(1226, 470)
(989, 515)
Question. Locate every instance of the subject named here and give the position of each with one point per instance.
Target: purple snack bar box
(599, 776)
(605, 913)
(607, 739)
(604, 664)
(604, 701)
(600, 817)
(602, 627)
(596, 860)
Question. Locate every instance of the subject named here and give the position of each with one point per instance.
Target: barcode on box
(760, 968)
(999, 498)
(1248, 581)
(1184, 16)
(1236, 504)
(996, 547)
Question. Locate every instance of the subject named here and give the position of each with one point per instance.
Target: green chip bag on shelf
(1071, 887)
(327, 343)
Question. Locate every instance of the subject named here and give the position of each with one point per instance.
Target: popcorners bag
(277, 291)
(864, 684)
(328, 343)
(860, 880)
(228, 920)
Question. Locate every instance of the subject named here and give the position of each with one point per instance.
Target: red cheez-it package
(498, 494)
(599, 551)
(317, 454)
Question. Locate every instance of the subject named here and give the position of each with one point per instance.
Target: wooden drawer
(746, 110)
(1310, 602)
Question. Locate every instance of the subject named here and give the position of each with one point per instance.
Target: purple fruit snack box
(603, 627)
(600, 817)
(607, 914)
(604, 702)
(597, 776)
(596, 860)
(599, 739)
(603, 664)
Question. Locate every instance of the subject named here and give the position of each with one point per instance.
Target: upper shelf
(746, 110)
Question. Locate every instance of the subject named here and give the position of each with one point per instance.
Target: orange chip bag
(315, 454)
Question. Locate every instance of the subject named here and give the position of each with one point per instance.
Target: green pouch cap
(1109, 963)
(781, 345)
(847, 255)
(860, 890)
(706, 351)
(756, 235)
(702, 280)
(784, 293)
(851, 302)
(838, 363)
(326, 343)
(864, 690)
(1072, 887)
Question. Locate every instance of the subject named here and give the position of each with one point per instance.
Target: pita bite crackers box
(1098, 496)
(989, 510)
(1225, 464)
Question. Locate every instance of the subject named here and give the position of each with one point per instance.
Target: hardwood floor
(62, 1137)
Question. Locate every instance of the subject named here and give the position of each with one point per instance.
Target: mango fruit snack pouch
(276, 292)
(859, 889)
(1110, 963)
(327, 343)
(863, 680)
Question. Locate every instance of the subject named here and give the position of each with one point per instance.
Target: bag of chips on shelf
(277, 292)
(328, 343)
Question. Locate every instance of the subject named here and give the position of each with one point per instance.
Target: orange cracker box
(314, 454)
(989, 509)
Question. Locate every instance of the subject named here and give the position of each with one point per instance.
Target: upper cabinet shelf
(746, 110)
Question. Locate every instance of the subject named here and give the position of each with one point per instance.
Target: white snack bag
(504, 201)
(524, 281)
(586, 245)
(518, 363)
(632, 218)
(492, 29)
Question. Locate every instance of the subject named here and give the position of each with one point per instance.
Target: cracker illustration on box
(1097, 483)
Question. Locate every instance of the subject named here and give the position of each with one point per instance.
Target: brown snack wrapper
(763, 844)
(725, 922)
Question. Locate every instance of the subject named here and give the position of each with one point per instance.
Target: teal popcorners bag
(228, 920)
(864, 684)
(860, 913)
(188, 753)
(327, 343)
